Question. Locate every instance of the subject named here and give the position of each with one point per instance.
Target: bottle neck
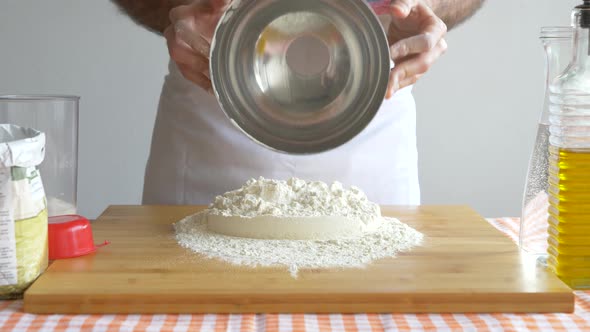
(558, 46)
(557, 56)
(582, 46)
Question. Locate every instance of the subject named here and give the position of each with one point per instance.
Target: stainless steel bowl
(300, 76)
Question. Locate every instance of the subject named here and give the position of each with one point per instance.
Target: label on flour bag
(28, 189)
(8, 267)
(35, 183)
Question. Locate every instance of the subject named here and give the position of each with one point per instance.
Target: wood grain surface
(465, 265)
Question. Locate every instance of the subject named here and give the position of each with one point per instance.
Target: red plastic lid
(70, 236)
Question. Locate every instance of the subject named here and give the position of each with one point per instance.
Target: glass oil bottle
(557, 44)
(569, 161)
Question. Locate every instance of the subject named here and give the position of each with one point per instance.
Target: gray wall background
(477, 108)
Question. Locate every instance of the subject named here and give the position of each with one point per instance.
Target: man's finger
(183, 54)
(175, 49)
(402, 8)
(433, 31)
(179, 12)
(408, 71)
(391, 86)
(443, 45)
(192, 38)
(418, 64)
(395, 84)
(178, 51)
(408, 81)
(413, 45)
(196, 77)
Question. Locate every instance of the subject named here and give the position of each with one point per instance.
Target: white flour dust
(297, 198)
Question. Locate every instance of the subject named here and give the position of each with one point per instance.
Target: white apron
(196, 152)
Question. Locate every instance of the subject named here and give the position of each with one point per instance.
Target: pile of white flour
(296, 200)
(295, 197)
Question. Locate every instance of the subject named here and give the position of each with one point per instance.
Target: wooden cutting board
(465, 265)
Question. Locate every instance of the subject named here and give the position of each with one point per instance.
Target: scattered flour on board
(297, 198)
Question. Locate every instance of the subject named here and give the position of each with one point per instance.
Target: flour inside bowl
(295, 223)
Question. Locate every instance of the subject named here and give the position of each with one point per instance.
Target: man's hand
(189, 38)
(416, 39)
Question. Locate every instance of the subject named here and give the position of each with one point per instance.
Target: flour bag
(23, 209)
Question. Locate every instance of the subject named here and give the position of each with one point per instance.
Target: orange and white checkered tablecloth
(12, 318)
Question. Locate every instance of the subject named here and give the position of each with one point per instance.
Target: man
(197, 153)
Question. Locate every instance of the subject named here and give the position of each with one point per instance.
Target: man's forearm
(453, 12)
(152, 14)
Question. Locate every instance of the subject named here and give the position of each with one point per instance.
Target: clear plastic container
(57, 117)
(557, 44)
(569, 160)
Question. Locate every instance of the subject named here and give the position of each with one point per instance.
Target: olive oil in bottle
(569, 221)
